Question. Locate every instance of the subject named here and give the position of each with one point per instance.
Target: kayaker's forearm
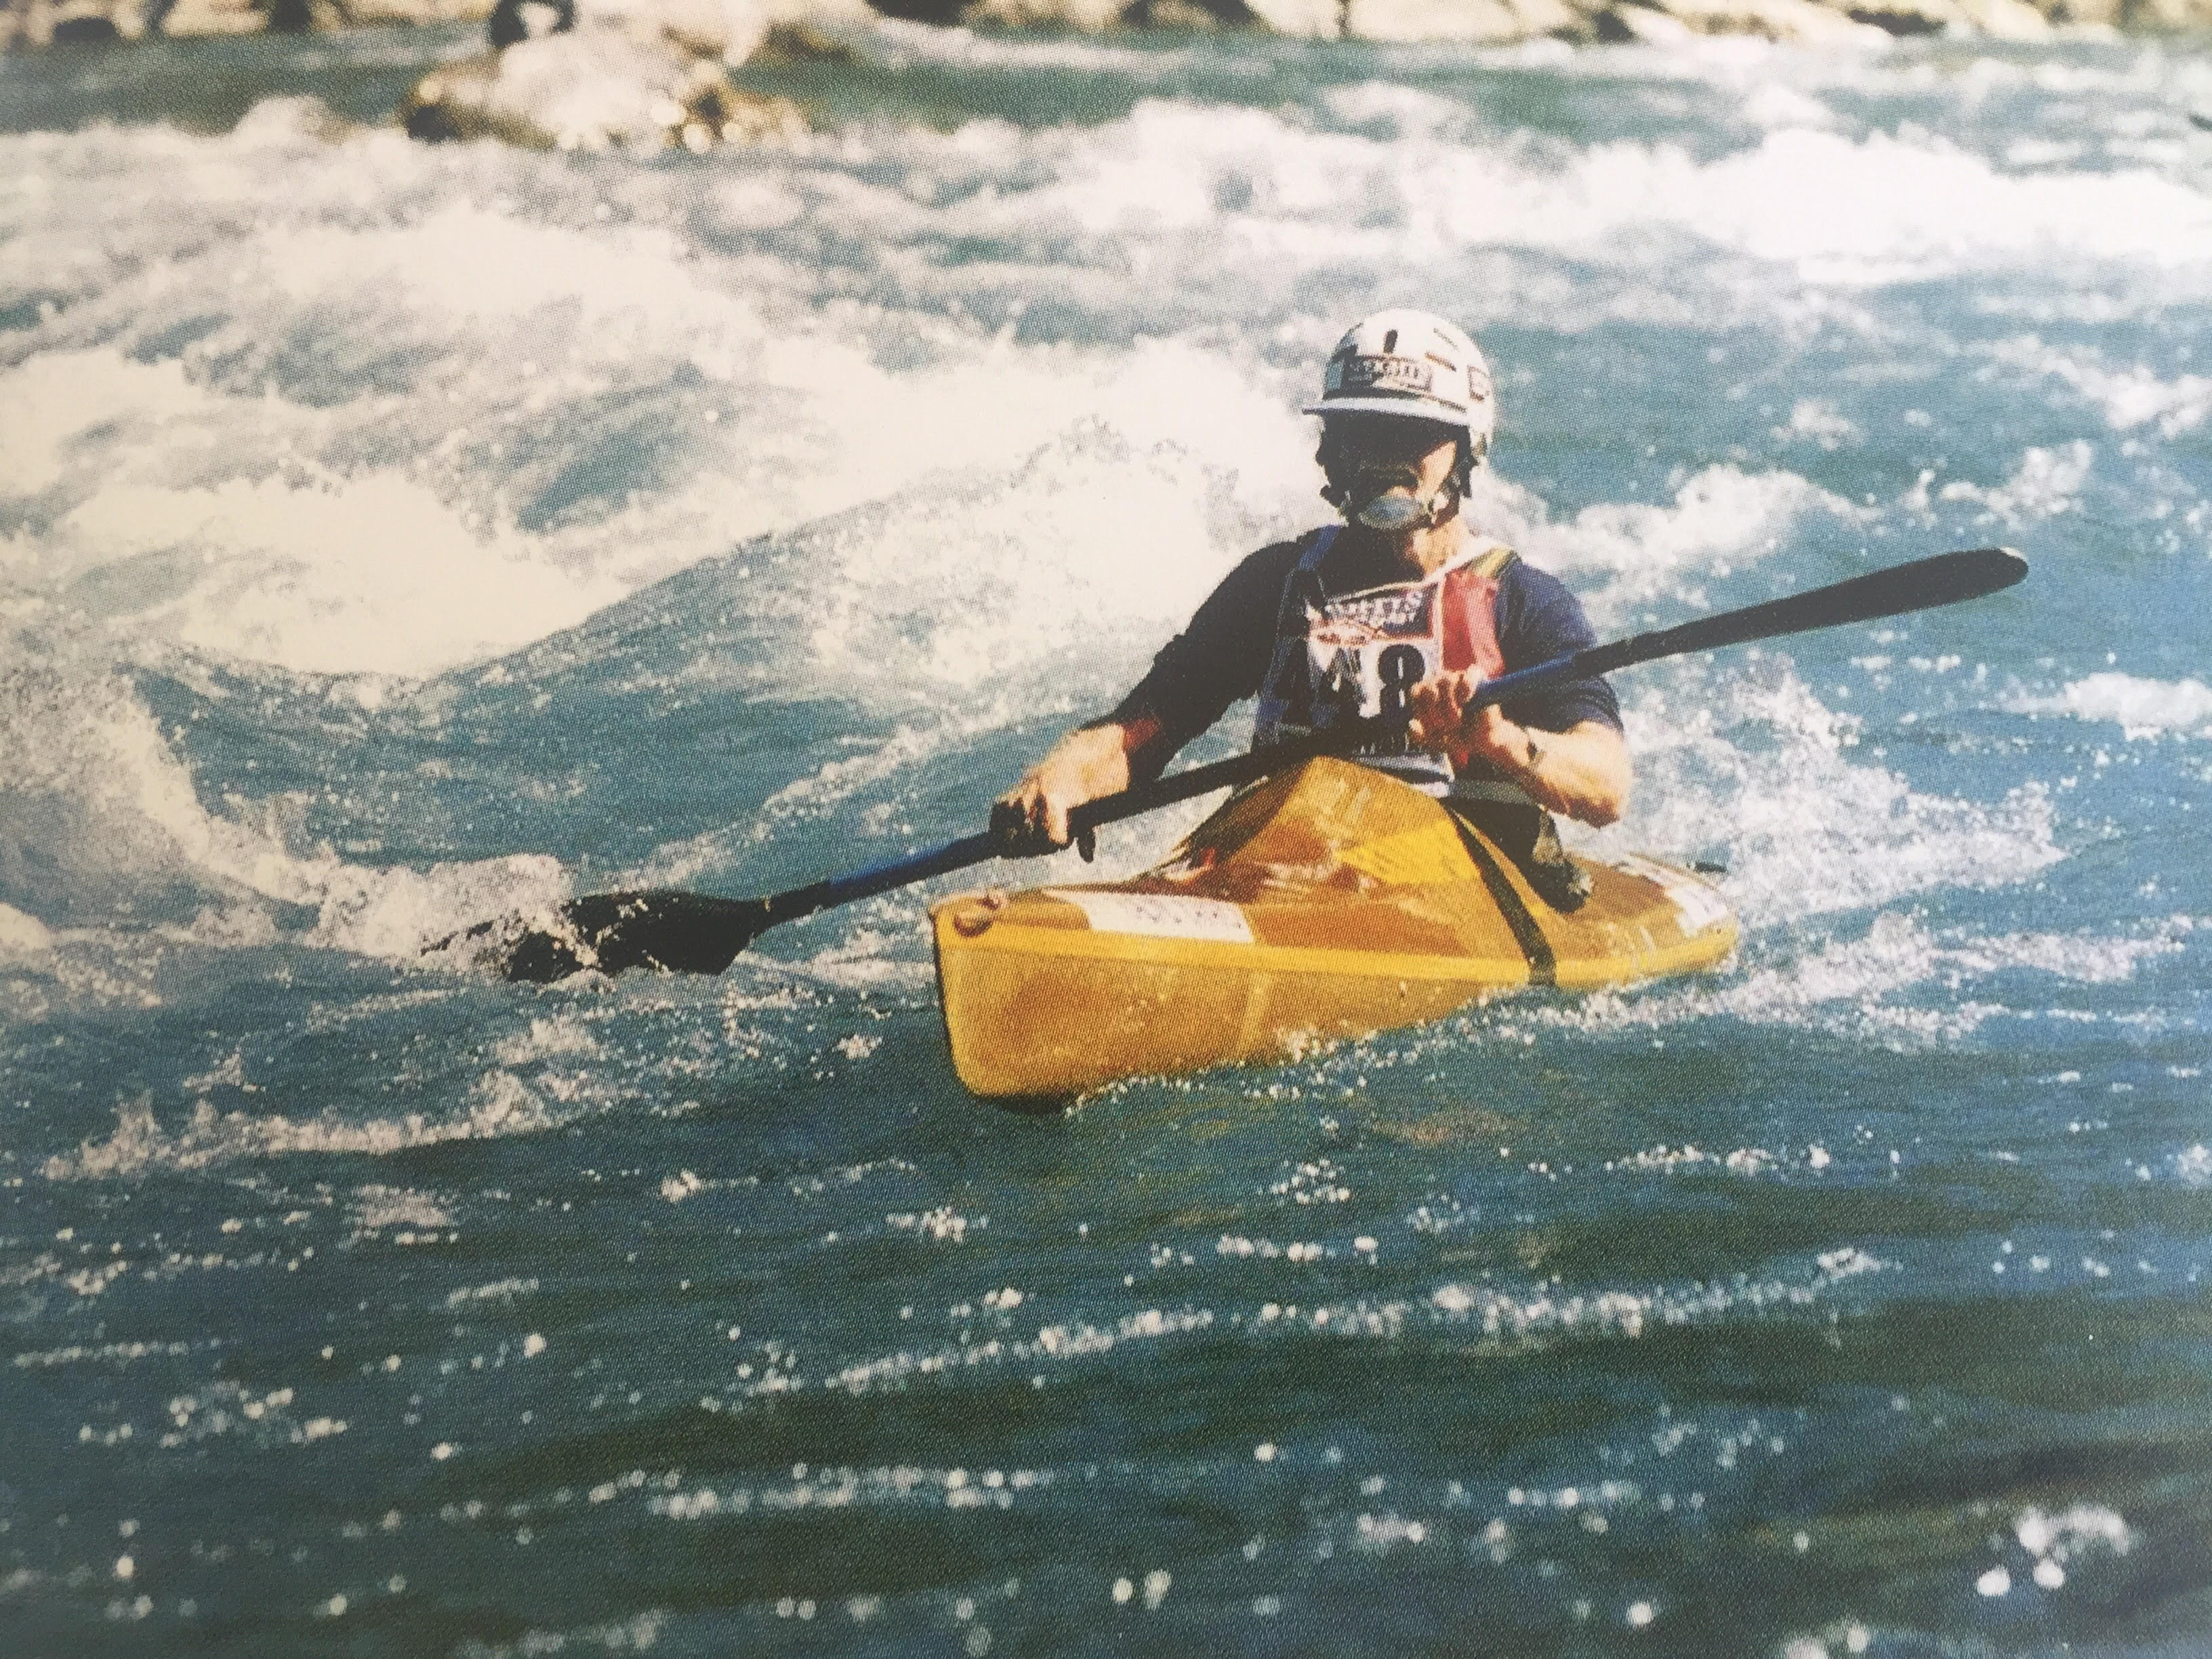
(1090, 762)
(1584, 774)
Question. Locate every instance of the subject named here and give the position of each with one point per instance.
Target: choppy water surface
(390, 536)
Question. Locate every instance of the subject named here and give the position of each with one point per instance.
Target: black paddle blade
(1922, 585)
(665, 929)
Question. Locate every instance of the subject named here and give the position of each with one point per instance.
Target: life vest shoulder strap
(1491, 563)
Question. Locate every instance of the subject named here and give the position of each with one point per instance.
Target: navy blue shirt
(1222, 657)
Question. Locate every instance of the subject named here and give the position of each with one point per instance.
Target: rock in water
(1481, 21)
(523, 20)
(185, 19)
(36, 23)
(1999, 19)
(593, 89)
(601, 73)
(1661, 21)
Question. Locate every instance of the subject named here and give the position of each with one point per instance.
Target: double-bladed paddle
(684, 932)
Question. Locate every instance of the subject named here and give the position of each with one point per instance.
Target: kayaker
(1404, 604)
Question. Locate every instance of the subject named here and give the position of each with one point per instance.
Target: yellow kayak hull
(1326, 903)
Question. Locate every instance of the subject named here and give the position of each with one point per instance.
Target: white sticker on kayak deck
(1161, 915)
(1701, 907)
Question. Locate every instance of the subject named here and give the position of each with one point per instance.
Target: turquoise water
(393, 536)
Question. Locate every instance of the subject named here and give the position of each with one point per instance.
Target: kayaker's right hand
(1438, 707)
(1089, 761)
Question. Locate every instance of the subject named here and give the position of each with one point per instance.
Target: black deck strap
(1496, 791)
(1543, 965)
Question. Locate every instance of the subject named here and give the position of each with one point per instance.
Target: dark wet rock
(188, 18)
(1659, 23)
(2001, 20)
(1095, 16)
(522, 20)
(1482, 21)
(85, 31)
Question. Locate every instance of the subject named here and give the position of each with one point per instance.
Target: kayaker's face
(1374, 456)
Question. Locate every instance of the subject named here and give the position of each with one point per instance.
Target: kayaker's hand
(1032, 816)
(1438, 706)
(1442, 721)
(1583, 772)
(1089, 761)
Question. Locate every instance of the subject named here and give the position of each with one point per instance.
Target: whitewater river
(391, 535)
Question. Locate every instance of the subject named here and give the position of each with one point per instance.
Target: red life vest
(1341, 656)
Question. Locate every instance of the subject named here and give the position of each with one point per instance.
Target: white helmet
(1412, 363)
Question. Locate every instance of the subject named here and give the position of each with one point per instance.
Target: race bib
(1359, 656)
(1366, 651)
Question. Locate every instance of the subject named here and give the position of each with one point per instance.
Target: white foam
(340, 568)
(1721, 518)
(2141, 707)
(2130, 398)
(1775, 104)
(382, 447)
(1813, 197)
(378, 1207)
(366, 530)
(1817, 420)
(100, 807)
(983, 590)
(24, 938)
(901, 44)
(1866, 988)
(2046, 483)
(51, 400)
(372, 574)
(561, 1037)
(222, 510)
(501, 1105)
(1748, 760)
(296, 566)
(2073, 1532)
(1837, 210)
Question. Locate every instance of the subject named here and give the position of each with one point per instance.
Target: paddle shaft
(697, 933)
(1943, 580)
(1238, 769)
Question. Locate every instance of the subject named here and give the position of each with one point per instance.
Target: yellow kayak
(1326, 902)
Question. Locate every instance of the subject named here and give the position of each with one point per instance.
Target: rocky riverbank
(30, 24)
(596, 74)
